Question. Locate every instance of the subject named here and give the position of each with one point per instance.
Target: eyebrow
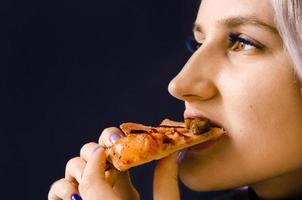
(237, 21)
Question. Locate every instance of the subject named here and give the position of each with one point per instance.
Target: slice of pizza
(143, 144)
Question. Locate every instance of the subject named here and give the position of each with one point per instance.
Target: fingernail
(96, 148)
(114, 137)
(181, 155)
(75, 197)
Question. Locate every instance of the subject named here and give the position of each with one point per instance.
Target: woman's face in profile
(241, 78)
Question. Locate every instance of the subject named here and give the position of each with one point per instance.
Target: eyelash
(192, 45)
(236, 38)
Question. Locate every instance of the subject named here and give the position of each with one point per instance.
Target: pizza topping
(137, 131)
(193, 125)
(197, 125)
(167, 140)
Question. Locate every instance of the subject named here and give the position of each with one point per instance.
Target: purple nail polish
(114, 137)
(96, 148)
(75, 197)
(181, 155)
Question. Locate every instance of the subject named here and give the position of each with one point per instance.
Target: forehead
(212, 11)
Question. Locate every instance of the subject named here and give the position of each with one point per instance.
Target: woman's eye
(238, 43)
(191, 44)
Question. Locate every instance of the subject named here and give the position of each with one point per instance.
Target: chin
(202, 185)
(198, 185)
(197, 181)
(201, 180)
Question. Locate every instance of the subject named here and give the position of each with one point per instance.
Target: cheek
(260, 97)
(264, 116)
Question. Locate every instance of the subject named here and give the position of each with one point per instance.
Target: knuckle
(60, 189)
(51, 192)
(86, 147)
(54, 184)
(72, 162)
(71, 165)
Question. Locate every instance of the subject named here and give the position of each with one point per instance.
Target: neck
(281, 187)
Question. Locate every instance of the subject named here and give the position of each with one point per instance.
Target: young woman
(245, 74)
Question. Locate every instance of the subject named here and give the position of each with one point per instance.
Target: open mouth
(200, 125)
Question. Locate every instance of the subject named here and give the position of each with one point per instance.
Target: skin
(87, 175)
(252, 93)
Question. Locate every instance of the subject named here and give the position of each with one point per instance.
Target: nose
(196, 79)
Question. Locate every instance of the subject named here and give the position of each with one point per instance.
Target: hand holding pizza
(165, 183)
(88, 177)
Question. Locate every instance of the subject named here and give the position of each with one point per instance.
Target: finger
(109, 136)
(96, 163)
(87, 149)
(74, 169)
(93, 182)
(165, 182)
(62, 189)
(111, 175)
(123, 186)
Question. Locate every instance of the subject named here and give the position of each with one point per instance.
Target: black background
(76, 67)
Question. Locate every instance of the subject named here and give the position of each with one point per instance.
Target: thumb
(165, 181)
(93, 185)
(123, 186)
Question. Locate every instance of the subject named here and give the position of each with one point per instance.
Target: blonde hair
(288, 16)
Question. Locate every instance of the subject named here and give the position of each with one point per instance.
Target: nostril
(207, 90)
(200, 90)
